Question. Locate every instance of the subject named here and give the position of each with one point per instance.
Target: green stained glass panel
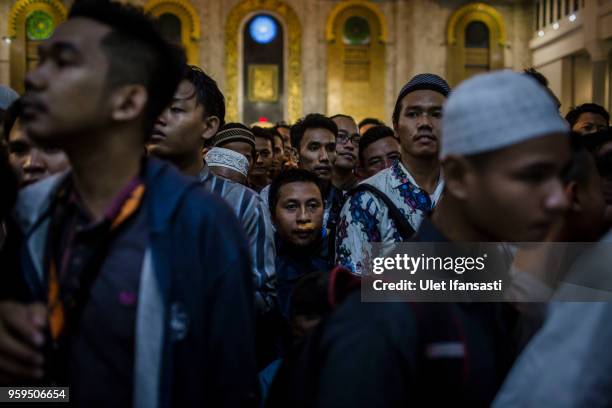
(39, 26)
(356, 31)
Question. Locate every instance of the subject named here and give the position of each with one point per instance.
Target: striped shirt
(254, 216)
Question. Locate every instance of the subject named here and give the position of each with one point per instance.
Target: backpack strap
(401, 224)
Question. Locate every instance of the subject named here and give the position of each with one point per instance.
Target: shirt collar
(400, 176)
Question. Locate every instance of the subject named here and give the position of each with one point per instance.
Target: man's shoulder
(362, 194)
(380, 180)
(175, 195)
(394, 321)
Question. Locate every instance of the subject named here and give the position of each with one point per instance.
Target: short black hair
(574, 114)
(282, 125)
(137, 53)
(11, 115)
(208, 93)
(579, 169)
(287, 176)
(533, 73)
(370, 121)
(264, 133)
(372, 135)
(342, 115)
(311, 121)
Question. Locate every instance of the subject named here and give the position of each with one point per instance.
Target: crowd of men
(153, 255)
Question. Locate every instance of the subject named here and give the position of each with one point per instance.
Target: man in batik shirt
(413, 185)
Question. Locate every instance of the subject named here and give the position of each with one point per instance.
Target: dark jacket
(195, 319)
(399, 355)
(291, 265)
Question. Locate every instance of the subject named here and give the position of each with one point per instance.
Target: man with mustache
(378, 150)
(314, 139)
(347, 146)
(296, 205)
(395, 201)
(504, 153)
(259, 176)
(139, 292)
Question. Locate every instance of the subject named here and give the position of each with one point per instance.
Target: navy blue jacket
(195, 318)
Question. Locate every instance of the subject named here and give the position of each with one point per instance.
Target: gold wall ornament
(17, 31)
(190, 23)
(356, 60)
(263, 83)
(330, 28)
(293, 55)
(457, 54)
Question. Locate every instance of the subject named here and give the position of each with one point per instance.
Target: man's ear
(458, 174)
(210, 128)
(571, 192)
(128, 102)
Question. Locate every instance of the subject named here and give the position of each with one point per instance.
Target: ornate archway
(293, 78)
(41, 18)
(356, 33)
(460, 55)
(189, 19)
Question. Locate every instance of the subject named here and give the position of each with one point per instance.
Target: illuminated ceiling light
(555, 26)
(541, 33)
(263, 29)
(572, 18)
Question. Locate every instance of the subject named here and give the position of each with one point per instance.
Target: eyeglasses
(345, 137)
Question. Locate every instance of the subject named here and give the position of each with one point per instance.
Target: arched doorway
(476, 37)
(256, 82)
(179, 22)
(356, 35)
(30, 23)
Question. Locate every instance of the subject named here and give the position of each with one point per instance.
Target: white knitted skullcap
(495, 110)
(220, 157)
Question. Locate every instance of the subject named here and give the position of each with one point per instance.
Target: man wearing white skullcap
(228, 164)
(504, 149)
(503, 152)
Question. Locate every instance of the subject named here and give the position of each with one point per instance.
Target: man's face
(318, 152)
(590, 123)
(286, 135)
(517, 195)
(298, 216)
(279, 154)
(419, 124)
(380, 155)
(66, 95)
(346, 148)
(32, 163)
(181, 128)
(264, 157)
(587, 221)
(243, 148)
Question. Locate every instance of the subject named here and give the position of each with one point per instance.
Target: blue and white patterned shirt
(365, 218)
